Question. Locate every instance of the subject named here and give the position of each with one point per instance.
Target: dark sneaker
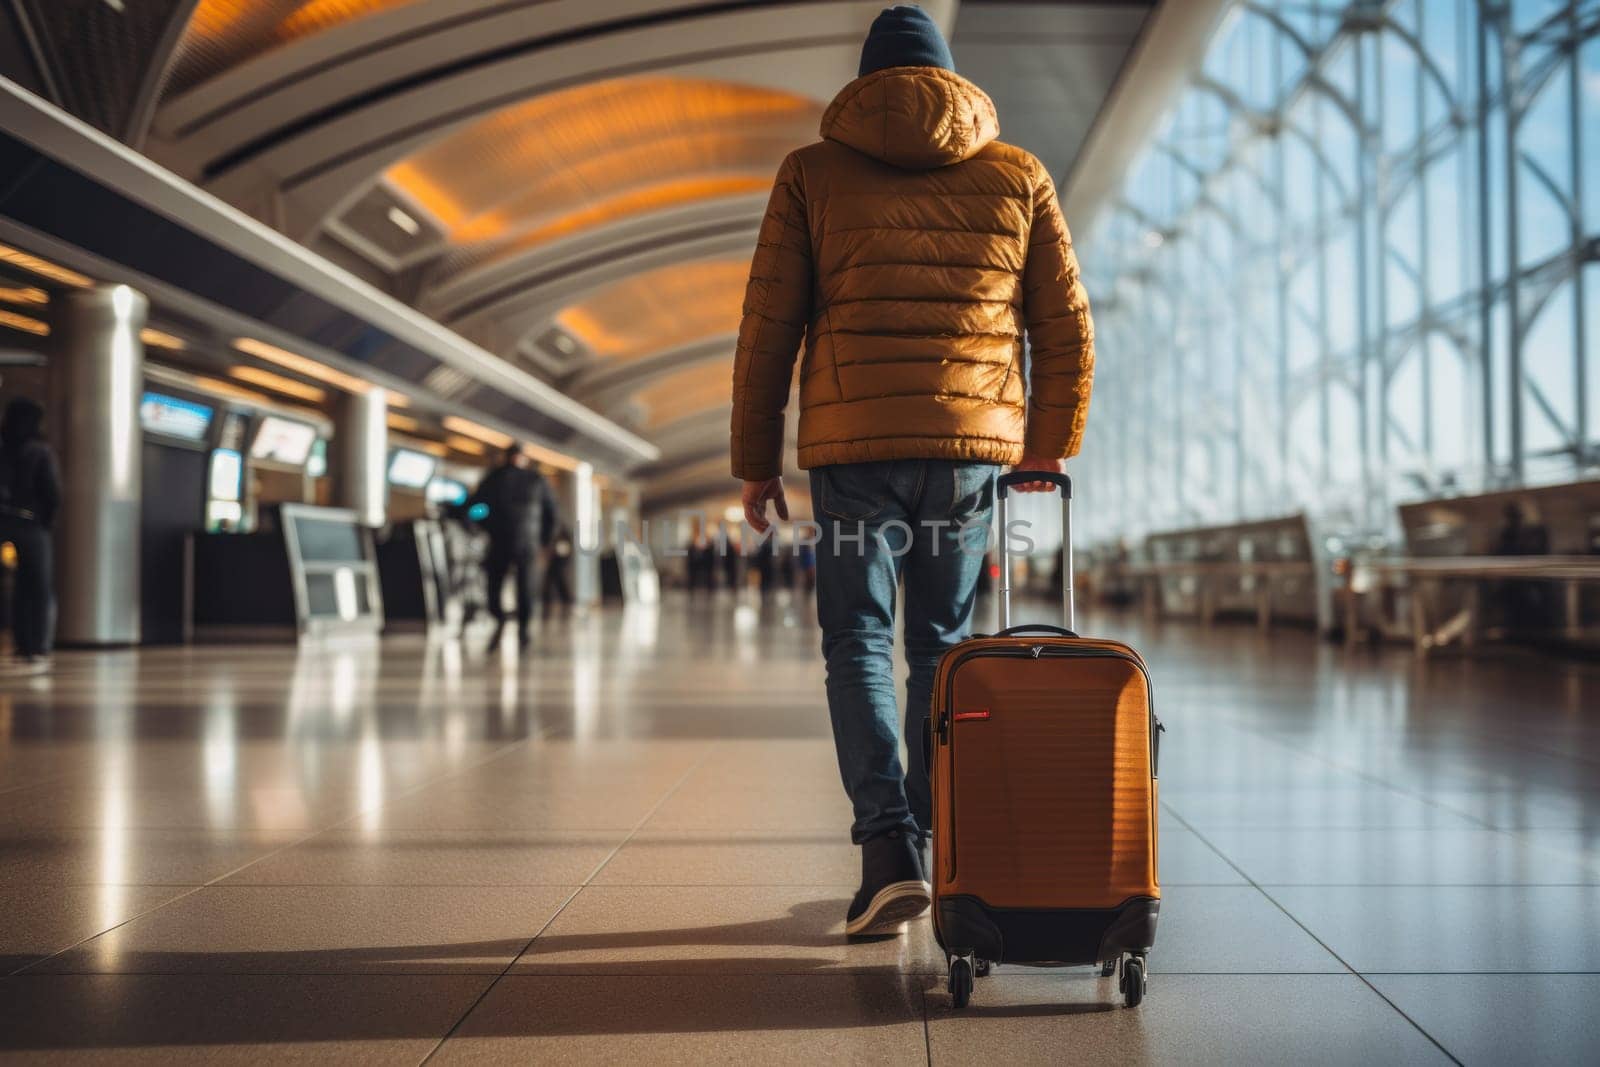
(893, 888)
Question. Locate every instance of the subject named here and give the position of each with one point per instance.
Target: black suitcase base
(1065, 936)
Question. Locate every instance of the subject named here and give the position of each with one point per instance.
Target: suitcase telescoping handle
(1064, 483)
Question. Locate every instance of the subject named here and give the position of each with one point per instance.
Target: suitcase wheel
(960, 980)
(1134, 981)
(980, 968)
(1108, 968)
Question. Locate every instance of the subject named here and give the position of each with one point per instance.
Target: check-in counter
(309, 572)
(414, 569)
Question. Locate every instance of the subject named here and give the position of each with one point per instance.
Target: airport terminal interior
(286, 279)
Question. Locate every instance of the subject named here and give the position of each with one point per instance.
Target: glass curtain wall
(1357, 266)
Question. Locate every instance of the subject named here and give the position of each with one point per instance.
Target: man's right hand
(755, 497)
(1036, 463)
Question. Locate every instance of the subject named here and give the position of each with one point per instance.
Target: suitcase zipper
(946, 737)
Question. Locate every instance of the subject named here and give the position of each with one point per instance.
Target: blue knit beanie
(904, 36)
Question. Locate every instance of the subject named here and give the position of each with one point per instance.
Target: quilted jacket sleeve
(777, 306)
(1060, 332)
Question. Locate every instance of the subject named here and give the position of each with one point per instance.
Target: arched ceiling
(566, 164)
(574, 184)
(658, 310)
(225, 33)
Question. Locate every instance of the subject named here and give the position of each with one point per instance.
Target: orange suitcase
(1045, 749)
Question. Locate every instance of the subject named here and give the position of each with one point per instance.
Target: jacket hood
(918, 118)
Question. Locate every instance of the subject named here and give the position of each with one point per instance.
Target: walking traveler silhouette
(30, 494)
(911, 251)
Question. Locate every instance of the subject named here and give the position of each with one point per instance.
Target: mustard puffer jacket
(911, 250)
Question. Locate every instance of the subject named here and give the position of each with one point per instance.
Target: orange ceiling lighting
(688, 393)
(301, 365)
(468, 428)
(551, 458)
(590, 154)
(228, 389)
(403, 423)
(638, 201)
(225, 33)
(24, 295)
(629, 203)
(279, 384)
(417, 444)
(660, 309)
(25, 323)
(475, 439)
(154, 338)
(467, 445)
(43, 268)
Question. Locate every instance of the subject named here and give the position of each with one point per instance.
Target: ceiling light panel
(301, 365)
(24, 295)
(43, 268)
(24, 323)
(279, 384)
(154, 338)
(468, 428)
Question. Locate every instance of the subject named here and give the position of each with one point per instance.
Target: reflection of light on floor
(219, 754)
(370, 775)
(344, 593)
(586, 695)
(509, 694)
(455, 734)
(344, 682)
(114, 875)
(641, 624)
(746, 633)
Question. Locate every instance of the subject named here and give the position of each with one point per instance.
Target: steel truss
(1282, 323)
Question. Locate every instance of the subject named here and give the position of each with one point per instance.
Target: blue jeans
(924, 521)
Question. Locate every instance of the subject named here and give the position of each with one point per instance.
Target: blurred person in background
(728, 545)
(30, 494)
(701, 560)
(910, 250)
(557, 570)
(517, 508)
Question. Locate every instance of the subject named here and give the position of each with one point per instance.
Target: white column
(591, 538)
(361, 456)
(96, 377)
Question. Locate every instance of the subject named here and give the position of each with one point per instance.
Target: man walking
(518, 510)
(910, 250)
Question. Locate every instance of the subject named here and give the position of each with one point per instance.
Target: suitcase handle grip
(1059, 480)
(1036, 628)
(1064, 483)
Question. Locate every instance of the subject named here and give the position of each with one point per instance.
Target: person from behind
(517, 508)
(912, 251)
(30, 495)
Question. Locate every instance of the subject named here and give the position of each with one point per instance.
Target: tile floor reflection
(630, 844)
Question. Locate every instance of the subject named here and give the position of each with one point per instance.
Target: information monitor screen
(284, 441)
(171, 416)
(410, 469)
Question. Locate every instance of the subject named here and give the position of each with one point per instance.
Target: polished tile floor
(630, 845)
